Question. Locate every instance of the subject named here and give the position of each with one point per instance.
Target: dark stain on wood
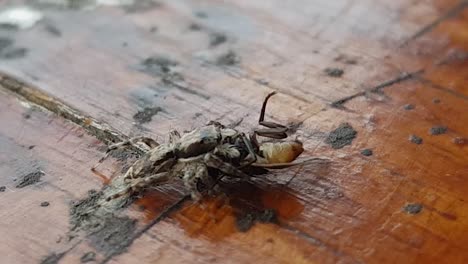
(341, 136)
(30, 179)
(146, 115)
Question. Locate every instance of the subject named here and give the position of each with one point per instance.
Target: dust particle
(9, 27)
(45, 204)
(153, 29)
(228, 59)
(415, 139)
(14, 53)
(414, 208)
(31, 147)
(408, 107)
(341, 136)
(87, 257)
(334, 72)
(146, 115)
(201, 14)
(53, 30)
(31, 178)
(2, 188)
(460, 141)
(345, 59)
(436, 100)
(142, 6)
(367, 152)
(52, 258)
(438, 130)
(217, 39)
(158, 65)
(5, 43)
(195, 27)
(262, 82)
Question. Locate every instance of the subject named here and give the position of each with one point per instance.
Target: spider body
(215, 146)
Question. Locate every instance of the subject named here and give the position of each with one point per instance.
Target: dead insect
(212, 146)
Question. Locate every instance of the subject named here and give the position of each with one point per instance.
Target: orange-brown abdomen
(281, 152)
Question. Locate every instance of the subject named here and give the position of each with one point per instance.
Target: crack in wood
(315, 241)
(454, 11)
(378, 89)
(100, 130)
(442, 88)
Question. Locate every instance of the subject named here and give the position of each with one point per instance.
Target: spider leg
(191, 178)
(162, 167)
(228, 169)
(139, 185)
(144, 144)
(174, 136)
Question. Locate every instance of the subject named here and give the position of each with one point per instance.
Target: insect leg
(274, 130)
(217, 163)
(252, 155)
(289, 164)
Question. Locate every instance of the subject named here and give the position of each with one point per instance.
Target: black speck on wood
(438, 130)
(367, 152)
(341, 136)
(158, 65)
(228, 59)
(146, 115)
(415, 139)
(334, 72)
(413, 208)
(217, 39)
(408, 107)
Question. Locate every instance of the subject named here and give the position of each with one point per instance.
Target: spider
(191, 155)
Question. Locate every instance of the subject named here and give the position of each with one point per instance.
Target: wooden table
(85, 75)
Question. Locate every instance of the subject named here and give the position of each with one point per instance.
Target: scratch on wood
(314, 241)
(100, 130)
(444, 89)
(454, 11)
(376, 89)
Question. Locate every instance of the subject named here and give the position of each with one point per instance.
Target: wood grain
(390, 70)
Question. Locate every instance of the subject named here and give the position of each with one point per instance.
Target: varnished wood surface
(96, 69)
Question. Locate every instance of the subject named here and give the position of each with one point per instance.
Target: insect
(213, 146)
